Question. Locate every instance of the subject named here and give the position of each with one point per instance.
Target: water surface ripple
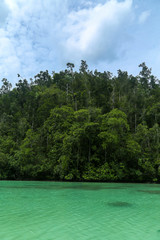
(79, 211)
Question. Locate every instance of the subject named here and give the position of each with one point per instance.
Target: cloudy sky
(37, 35)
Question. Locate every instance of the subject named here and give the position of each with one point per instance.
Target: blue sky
(37, 35)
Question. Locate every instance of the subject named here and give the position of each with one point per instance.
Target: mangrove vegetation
(81, 126)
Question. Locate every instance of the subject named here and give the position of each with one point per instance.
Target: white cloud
(3, 12)
(28, 41)
(40, 35)
(8, 59)
(144, 16)
(97, 33)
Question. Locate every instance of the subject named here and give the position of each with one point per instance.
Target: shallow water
(79, 211)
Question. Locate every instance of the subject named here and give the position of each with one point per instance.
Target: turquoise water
(79, 211)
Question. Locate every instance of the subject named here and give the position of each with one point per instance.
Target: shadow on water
(120, 204)
(92, 188)
(63, 187)
(149, 191)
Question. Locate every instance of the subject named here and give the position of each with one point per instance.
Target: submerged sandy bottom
(79, 211)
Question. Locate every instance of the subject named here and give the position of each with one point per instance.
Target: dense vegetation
(81, 126)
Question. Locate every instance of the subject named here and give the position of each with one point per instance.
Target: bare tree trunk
(105, 155)
(89, 151)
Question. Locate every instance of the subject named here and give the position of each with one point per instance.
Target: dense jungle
(81, 126)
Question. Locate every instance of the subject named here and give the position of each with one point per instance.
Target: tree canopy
(81, 126)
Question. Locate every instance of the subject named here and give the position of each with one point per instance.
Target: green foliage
(84, 125)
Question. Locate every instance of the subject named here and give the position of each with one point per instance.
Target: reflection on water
(83, 211)
(88, 187)
(150, 191)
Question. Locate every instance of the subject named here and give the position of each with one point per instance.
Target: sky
(39, 35)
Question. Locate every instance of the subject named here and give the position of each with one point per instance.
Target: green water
(79, 211)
